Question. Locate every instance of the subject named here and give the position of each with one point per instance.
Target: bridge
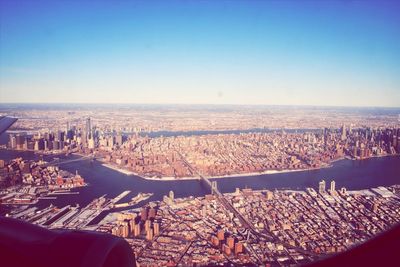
(246, 224)
(214, 190)
(227, 205)
(58, 162)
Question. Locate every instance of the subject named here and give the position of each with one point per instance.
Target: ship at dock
(135, 200)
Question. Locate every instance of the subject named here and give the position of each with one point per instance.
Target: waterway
(208, 132)
(353, 175)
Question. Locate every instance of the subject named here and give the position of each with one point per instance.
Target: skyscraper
(230, 242)
(60, 135)
(143, 214)
(238, 248)
(136, 231)
(343, 190)
(343, 132)
(12, 141)
(156, 228)
(88, 129)
(147, 225)
(152, 213)
(221, 235)
(321, 189)
(333, 190)
(149, 234)
(20, 141)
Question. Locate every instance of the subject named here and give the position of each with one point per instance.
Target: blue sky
(342, 53)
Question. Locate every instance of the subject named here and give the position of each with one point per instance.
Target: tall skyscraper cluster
(69, 138)
(322, 187)
(134, 225)
(227, 243)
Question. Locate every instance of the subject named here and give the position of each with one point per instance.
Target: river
(353, 175)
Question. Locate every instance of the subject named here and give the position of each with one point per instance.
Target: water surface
(353, 175)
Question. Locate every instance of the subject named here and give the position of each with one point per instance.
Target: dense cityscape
(220, 153)
(199, 133)
(214, 154)
(291, 227)
(253, 227)
(25, 182)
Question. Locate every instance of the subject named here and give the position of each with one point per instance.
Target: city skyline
(231, 53)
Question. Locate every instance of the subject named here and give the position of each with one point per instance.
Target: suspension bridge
(58, 161)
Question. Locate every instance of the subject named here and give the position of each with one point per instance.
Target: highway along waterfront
(353, 175)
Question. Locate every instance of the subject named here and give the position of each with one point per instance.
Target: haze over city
(343, 53)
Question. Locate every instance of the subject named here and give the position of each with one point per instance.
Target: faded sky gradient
(342, 53)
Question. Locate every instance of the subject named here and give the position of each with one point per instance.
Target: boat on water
(135, 200)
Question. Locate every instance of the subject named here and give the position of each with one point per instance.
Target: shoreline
(118, 169)
(375, 156)
(266, 172)
(188, 178)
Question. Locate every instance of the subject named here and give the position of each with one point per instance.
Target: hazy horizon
(198, 105)
(307, 53)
